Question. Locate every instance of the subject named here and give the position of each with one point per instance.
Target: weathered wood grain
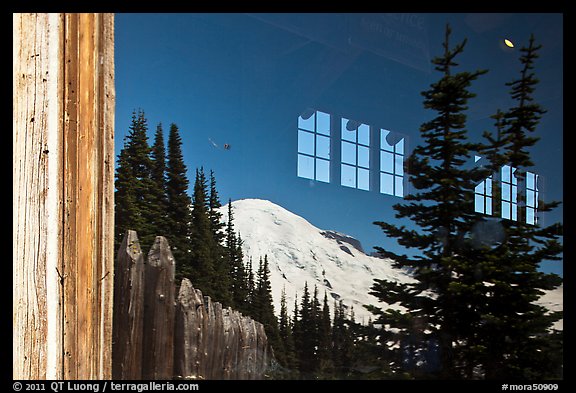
(128, 310)
(159, 309)
(63, 147)
(35, 214)
(215, 343)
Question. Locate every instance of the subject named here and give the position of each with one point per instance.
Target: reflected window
(483, 197)
(531, 198)
(391, 163)
(355, 151)
(509, 193)
(314, 146)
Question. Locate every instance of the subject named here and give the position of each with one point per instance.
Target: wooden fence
(158, 335)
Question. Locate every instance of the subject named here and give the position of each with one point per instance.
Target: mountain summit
(298, 252)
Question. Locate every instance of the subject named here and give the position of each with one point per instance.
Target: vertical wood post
(63, 200)
(159, 309)
(128, 310)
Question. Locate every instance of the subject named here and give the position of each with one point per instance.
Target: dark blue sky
(243, 80)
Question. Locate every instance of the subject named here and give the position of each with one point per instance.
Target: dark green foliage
(325, 362)
(263, 310)
(305, 336)
(222, 268)
(202, 255)
(286, 335)
(442, 207)
(158, 191)
(343, 343)
(238, 272)
(133, 199)
(178, 204)
(513, 338)
(482, 321)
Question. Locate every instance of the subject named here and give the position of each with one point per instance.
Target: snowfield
(298, 252)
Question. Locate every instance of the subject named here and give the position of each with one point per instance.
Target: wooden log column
(63, 195)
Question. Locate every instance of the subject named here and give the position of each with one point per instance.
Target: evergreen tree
(251, 288)
(264, 310)
(214, 206)
(222, 263)
(305, 330)
(442, 209)
(178, 204)
(133, 201)
(343, 345)
(159, 189)
(325, 363)
(203, 269)
(286, 335)
(235, 261)
(513, 339)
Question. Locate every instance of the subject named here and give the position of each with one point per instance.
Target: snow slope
(298, 252)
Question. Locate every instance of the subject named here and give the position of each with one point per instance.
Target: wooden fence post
(128, 310)
(159, 309)
(156, 338)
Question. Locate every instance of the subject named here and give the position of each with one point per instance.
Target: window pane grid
(355, 155)
(314, 147)
(509, 193)
(391, 164)
(483, 196)
(531, 198)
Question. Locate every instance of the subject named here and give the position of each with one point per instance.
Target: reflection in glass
(363, 156)
(398, 186)
(305, 167)
(530, 216)
(364, 135)
(399, 147)
(506, 192)
(384, 145)
(323, 123)
(322, 146)
(363, 179)
(479, 202)
(392, 163)
(348, 153)
(314, 146)
(305, 142)
(506, 210)
(399, 165)
(386, 184)
(479, 188)
(323, 170)
(506, 173)
(386, 162)
(307, 124)
(346, 134)
(348, 177)
(530, 198)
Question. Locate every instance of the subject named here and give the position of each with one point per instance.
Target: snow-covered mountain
(298, 252)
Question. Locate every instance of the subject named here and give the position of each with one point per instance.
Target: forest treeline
(471, 311)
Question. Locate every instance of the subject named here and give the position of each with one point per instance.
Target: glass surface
(322, 115)
(323, 123)
(348, 176)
